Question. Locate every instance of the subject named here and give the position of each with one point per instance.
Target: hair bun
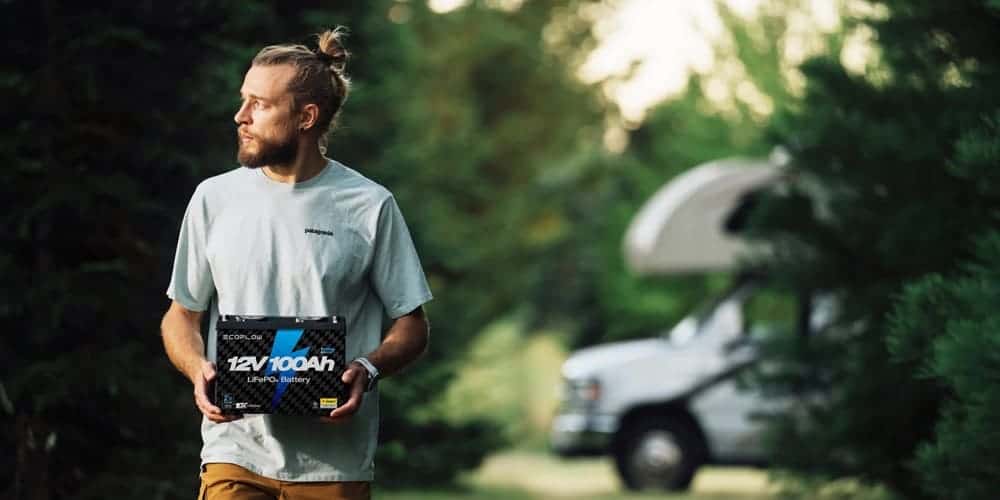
(331, 48)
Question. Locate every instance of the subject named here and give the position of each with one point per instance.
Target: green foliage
(582, 279)
(796, 486)
(950, 328)
(509, 377)
(493, 111)
(97, 147)
(898, 158)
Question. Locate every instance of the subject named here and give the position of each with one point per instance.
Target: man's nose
(242, 116)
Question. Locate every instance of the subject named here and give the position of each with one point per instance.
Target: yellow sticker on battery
(327, 403)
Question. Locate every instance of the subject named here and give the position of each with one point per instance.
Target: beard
(282, 151)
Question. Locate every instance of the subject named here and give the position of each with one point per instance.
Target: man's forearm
(405, 341)
(182, 341)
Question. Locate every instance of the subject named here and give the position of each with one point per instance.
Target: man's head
(291, 96)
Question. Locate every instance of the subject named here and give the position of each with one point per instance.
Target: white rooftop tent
(680, 229)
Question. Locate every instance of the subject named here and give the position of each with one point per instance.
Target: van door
(727, 409)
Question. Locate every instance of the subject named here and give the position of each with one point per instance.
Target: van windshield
(689, 327)
(766, 311)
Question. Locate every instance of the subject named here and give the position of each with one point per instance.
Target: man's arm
(182, 340)
(406, 340)
(404, 343)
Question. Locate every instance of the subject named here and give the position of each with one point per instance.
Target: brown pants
(231, 482)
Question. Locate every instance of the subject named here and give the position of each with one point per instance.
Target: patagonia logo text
(318, 231)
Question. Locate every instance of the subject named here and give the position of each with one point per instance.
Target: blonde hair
(319, 75)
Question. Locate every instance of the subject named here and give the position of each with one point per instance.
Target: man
(293, 233)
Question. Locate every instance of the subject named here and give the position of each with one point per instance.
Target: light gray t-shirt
(335, 244)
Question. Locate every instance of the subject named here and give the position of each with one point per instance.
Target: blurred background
(671, 242)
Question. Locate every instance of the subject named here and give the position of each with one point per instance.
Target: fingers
(357, 378)
(201, 399)
(351, 373)
(208, 370)
(212, 412)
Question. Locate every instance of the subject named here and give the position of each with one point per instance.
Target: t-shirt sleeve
(396, 273)
(191, 283)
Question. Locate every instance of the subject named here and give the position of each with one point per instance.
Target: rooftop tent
(682, 227)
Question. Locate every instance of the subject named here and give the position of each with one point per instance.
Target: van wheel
(658, 453)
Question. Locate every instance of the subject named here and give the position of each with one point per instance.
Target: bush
(953, 326)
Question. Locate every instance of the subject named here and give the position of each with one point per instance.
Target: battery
(280, 365)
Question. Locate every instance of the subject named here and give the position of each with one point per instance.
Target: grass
(526, 475)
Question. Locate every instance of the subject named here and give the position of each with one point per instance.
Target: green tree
(888, 212)
(949, 326)
(494, 108)
(102, 138)
(583, 281)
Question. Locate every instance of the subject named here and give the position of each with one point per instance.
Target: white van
(665, 405)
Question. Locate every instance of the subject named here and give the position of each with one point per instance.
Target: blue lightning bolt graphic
(284, 342)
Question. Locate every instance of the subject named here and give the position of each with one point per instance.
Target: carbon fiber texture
(245, 384)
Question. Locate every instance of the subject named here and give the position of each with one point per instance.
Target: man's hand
(405, 341)
(212, 412)
(186, 351)
(357, 377)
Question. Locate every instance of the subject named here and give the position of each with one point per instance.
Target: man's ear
(308, 117)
